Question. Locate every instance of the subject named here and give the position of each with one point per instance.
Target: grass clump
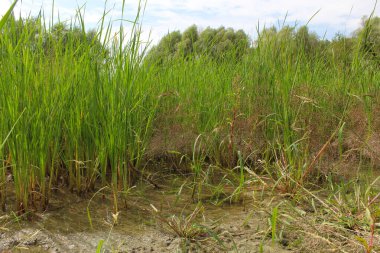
(87, 113)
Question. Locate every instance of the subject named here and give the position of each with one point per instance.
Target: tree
(223, 43)
(342, 48)
(32, 34)
(215, 43)
(166, 49)
(189, 37)
(309, 42)
(369, 37)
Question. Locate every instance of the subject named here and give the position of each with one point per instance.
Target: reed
(87, 112)
(90, 101)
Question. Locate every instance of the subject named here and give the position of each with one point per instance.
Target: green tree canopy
(216, 43)
(31, 33)
(369, 37)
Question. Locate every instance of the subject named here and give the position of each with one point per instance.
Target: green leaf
(6, 16)
(100, 246)
(274, 222)
(9, 133)
(362, 242)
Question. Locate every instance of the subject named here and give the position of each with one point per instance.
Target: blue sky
(162, 16)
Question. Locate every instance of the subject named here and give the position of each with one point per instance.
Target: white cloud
(333, 16)
(162, 16)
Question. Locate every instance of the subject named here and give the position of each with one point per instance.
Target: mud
(65, 227)
(242, 226)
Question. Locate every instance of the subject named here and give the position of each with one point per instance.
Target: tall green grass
(90, 103)
(282, 102)
(86, 115)
(3, 168)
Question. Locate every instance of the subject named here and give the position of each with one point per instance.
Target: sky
(328, 17)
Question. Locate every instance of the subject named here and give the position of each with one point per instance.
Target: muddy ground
(65, 227)
(244, 226)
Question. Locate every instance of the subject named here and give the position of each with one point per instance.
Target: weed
(183, 226)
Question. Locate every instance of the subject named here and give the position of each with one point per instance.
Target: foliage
(83, 118)
(369, 34)
(90, 103)
(4, 19)
(216, 43)
(31, 33)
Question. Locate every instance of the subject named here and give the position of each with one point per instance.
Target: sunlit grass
(86, 115)
(90, 102)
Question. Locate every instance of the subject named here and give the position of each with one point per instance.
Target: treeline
(216, 43)
(55, 41)
(220, 43)
(226, 43)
